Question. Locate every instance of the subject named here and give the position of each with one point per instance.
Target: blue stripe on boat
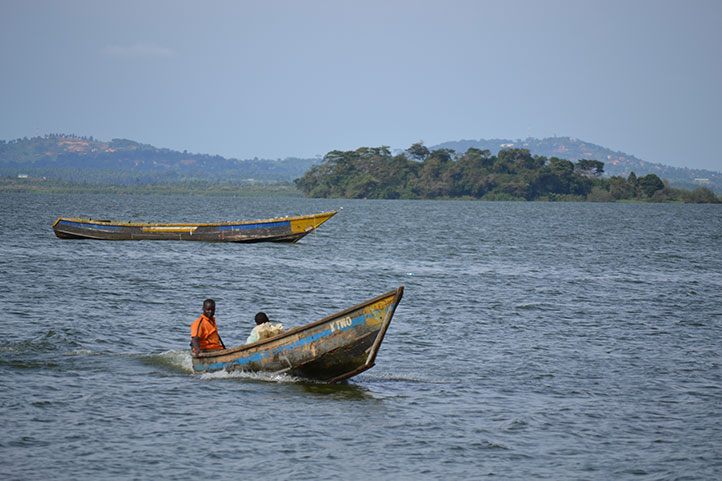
(91, 226)
(260, 225)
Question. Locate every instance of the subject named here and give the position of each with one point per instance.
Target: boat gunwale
(395, 293)
(119, 223)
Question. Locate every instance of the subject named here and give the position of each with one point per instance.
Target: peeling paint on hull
(329, 350)
(282, 229)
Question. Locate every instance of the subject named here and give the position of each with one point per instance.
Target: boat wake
(391, 377)
(256, 376)
(179, 360)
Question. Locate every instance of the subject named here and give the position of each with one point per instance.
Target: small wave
(390, 377)
(51, 340)
(29, 364)
(257, 376)
(179, 360)
(79, 352)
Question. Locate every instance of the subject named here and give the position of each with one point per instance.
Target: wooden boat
(282, 229)
(329, 350)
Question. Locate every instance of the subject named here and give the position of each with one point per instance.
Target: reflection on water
(343, 391)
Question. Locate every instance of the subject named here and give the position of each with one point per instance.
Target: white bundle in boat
(267, 329)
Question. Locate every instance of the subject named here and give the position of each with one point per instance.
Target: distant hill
(615, 162)
(122, 161)
(72, 157)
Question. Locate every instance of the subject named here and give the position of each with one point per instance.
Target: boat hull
(283, 229)
(329, 350)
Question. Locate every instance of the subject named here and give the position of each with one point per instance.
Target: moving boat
(282, 229)
(332, 349)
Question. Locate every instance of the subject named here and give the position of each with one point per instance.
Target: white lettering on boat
(340, 324)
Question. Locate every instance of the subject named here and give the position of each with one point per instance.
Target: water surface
(534, 341)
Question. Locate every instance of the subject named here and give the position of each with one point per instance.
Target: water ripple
(534, 341)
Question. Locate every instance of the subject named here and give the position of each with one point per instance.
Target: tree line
(512, 174)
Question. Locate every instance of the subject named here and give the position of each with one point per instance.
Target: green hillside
(122, 161)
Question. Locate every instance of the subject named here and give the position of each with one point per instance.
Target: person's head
(261, 317)
(209, 308)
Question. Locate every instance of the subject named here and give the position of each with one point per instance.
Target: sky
(291, 78)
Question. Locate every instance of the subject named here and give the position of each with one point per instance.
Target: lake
(534, 341)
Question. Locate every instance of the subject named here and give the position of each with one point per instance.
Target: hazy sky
(274, 79)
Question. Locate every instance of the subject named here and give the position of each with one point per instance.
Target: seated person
(204, 333)
(263, 329)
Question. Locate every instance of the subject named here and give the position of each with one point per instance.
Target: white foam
(79, 352)
(180, 358)
(259, 376)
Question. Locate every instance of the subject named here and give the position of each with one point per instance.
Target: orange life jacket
(206, 331)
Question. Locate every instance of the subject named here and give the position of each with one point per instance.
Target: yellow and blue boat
(282, 229)
(329, 350)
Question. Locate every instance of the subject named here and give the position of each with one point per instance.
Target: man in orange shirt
(204, 333)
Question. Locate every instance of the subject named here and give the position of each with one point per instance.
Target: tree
(444, 155)
(478, 158)
(701, 195)
(620, 188)
(418, 151)
(563, 173)
(430, 178)
(521, 158)
(649, 184)
(471, 173)
(590, 168)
